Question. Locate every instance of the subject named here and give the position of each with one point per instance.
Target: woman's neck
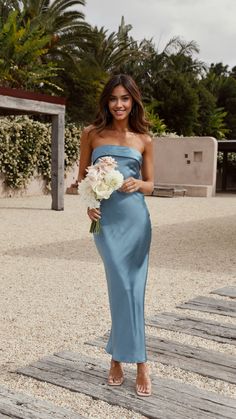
(120, 126)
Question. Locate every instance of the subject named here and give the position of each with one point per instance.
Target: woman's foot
(143, 382)
(116, 375)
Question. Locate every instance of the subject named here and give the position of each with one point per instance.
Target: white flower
(87, 194)
(114, 179)
(100, 181)
(102, 190)
(94, 174)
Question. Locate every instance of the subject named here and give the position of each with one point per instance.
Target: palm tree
(107, 52)
(64, 24)
(55, 16)
(21, 49)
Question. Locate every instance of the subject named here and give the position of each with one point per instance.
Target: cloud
(211, 23)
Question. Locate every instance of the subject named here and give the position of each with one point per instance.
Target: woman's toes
(116, 375)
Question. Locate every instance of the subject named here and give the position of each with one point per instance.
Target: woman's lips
(119, 112)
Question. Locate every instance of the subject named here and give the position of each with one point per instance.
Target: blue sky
(211, 23)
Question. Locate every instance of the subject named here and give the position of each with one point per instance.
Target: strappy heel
(119, 381)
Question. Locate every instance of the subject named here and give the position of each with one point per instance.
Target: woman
(121, 131)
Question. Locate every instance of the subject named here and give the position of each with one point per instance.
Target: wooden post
(57, 167)
(224, 170)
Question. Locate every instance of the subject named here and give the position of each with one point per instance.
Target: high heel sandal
(149, 387)
(119, 381)
(140, 393)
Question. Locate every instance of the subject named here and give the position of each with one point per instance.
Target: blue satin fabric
(123, 244)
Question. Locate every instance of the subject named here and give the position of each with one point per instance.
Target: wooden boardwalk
(171, 399)
(226, 291)
(210, 305)
(17, 405)
(202, 361)
(207, 329)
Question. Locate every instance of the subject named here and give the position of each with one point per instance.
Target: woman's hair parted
(137, 120)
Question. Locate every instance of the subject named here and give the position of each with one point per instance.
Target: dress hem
(118, 359)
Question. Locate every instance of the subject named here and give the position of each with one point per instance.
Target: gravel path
(54, 296)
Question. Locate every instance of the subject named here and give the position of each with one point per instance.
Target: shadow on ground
(194, 245)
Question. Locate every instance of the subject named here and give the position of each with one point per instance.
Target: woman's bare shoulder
(88, 129)
(146, 139)
(88, 134)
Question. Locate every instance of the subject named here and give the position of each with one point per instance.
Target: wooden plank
(26, 94)
(211, 305)
(29, 105)
(170, 398)
(207, 329)
(202, 361)
(21, 406)
(229, 291)
(57, 167)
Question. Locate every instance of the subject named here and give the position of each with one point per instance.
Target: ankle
(142, 368)
(115, 363)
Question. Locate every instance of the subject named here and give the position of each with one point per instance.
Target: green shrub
(25, 149)
(158, 127)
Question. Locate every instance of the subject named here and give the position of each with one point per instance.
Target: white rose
(114, 179)
(102, 191)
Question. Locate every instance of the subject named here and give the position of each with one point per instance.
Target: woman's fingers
(130, 185)
(94, 213)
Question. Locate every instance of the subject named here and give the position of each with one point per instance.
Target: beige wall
(189, 162)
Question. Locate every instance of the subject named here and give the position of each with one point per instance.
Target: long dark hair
(137, 120)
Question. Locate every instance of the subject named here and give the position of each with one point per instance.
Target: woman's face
(120, 103)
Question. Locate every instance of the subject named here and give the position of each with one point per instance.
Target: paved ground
(53, 291)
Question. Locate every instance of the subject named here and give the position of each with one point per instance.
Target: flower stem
(95, 227)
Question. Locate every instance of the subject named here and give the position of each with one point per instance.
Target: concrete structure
(19, 102)
(188, 162)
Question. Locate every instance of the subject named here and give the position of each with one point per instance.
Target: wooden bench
(168, 191)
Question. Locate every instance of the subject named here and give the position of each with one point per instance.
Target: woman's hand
(130, 185)
(94, 213)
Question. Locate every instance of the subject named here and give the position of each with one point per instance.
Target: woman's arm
(146, 184)
(85, 153)
(84, 162)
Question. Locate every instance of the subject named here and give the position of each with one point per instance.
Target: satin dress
(123, 244)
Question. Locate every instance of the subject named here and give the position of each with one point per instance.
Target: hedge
(25, 149)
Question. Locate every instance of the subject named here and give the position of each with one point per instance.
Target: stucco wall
(190, 162)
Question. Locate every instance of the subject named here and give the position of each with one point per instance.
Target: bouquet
(100, 181)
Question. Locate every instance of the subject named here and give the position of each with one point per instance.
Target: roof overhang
(18, 102)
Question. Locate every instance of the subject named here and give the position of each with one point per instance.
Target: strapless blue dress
(123, 244)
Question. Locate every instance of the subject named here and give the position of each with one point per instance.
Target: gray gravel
(54, 296)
